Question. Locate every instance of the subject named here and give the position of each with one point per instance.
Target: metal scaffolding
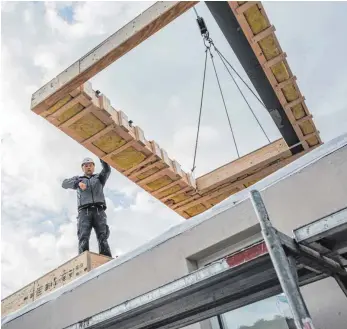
(277, 263)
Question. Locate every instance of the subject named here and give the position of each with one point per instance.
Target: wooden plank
(263, 34)
(18, 299)
(299, 100)
(316, 133)
(96, 260)
(240, 183)
(186, 189)
(191, 201)
(101, 133)
(164, 188)
(204, 198)
(141, 164)
(307, 117)
(246, 6)
(275, 60)
(286, 82)
(60, 276)
(144, 169)
(78, 116)
(108, 156)
(162, 172)
(242, 165)
(245, 25)
(132, 34)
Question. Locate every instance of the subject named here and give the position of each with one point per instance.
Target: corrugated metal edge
(283, 173)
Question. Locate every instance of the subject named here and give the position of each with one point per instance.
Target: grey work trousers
(88, 218)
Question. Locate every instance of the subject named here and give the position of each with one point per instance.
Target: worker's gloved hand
(82, 186)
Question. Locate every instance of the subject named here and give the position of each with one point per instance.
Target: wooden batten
(264, 34)
(70, 103)
(261, 36)
(128, 37)
(107, 133)
(245, 164)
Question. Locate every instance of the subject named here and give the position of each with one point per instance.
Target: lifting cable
(208, 42)
(226, 110)
(202, 98)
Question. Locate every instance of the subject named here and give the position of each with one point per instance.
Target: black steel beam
(232, 31)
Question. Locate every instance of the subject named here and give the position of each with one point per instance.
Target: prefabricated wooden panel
(18, 300)
(108, 134)
(56, 278)
(261, 35)
(62, 275)
(96, 260)
(129, 36)
(70, 103)
(252, 161)
(200, 202)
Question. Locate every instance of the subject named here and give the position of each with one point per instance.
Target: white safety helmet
(87, 160)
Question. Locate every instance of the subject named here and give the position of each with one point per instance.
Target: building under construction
(265, 241)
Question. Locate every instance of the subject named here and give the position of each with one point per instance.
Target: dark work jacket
(94, 194)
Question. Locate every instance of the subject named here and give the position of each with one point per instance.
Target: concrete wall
(317, 190)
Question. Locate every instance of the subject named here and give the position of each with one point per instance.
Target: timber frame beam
(70, 103)
(117, 45)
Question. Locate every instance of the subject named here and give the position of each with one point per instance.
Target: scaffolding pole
(282, 265)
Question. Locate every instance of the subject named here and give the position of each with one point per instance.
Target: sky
(158, 86)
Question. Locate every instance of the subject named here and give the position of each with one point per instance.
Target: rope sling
(209, 44)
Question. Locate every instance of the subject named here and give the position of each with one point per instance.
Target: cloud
(158, 84)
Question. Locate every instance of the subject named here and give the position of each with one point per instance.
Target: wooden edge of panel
(239, 14)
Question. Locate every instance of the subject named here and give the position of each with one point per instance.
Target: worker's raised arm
(105, 172)
(71, 183)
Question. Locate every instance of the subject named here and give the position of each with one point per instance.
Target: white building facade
(310, 188)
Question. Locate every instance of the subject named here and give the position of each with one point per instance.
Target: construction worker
(91, 205)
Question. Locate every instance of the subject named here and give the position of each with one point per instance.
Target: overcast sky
(158, 86)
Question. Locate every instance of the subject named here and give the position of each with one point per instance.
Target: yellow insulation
(195, 210)
(306, 127)
(256, 20)
(220, 198)
(159, 183)
(280, 72)
(109, 142)
(150, 172)
(269, 47)
(298, 111)
(180, 197)
(87, 126)
(73, 110)
(312, 141)
(290, 93)
(59, 104)
(170, 190)
(128, 158)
